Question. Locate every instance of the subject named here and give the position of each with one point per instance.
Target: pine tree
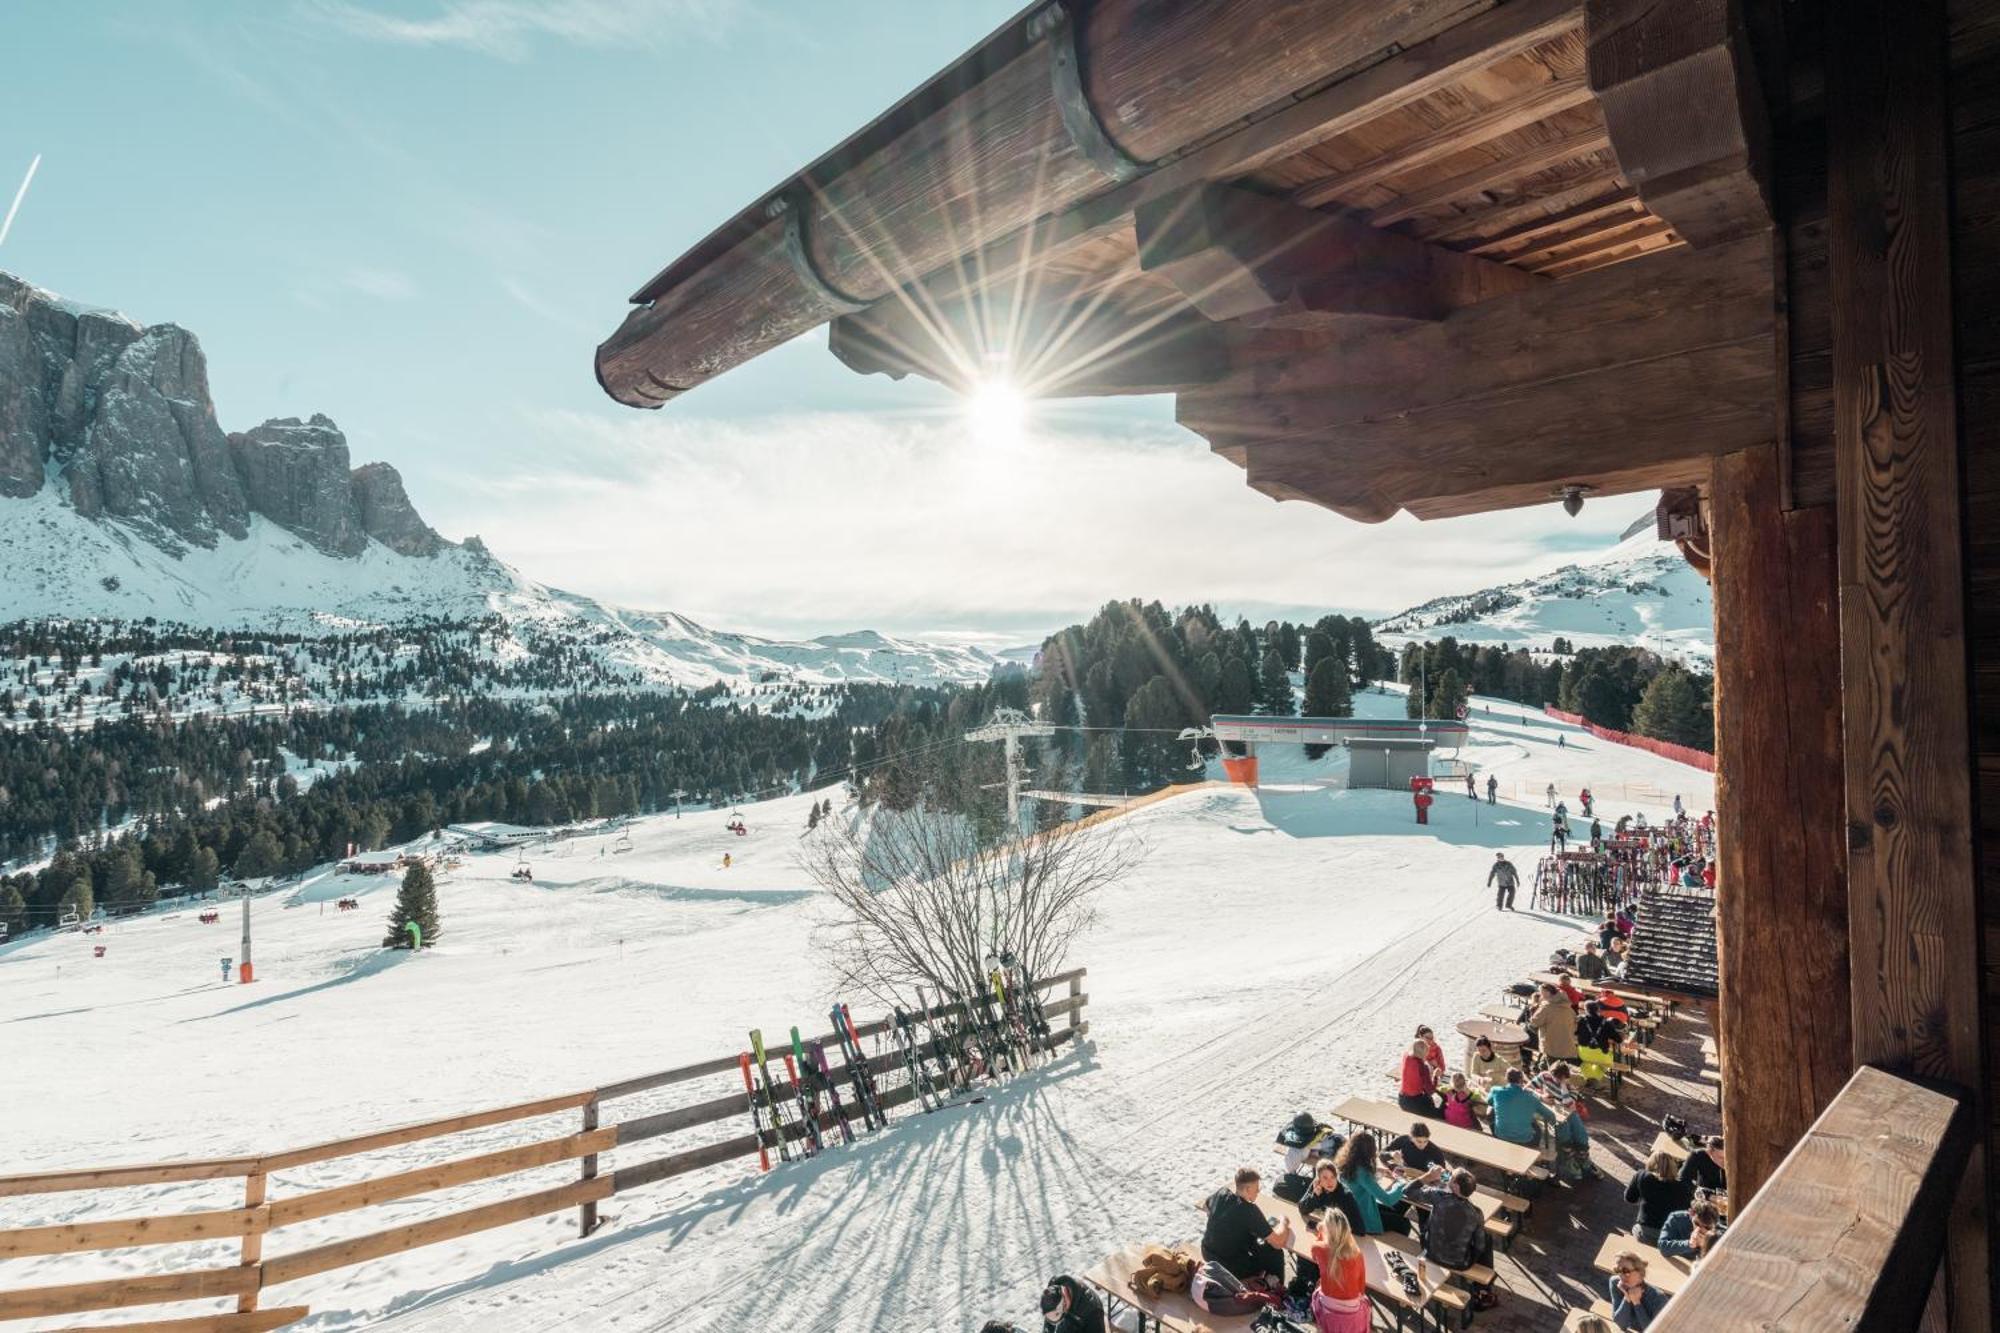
(415, 901)
(1274, 685)
(1234, 691)
(259, 856)
(1448, 694)
(1328, 693)
(1672, 709)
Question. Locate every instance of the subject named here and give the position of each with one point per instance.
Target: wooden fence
(261, 1215)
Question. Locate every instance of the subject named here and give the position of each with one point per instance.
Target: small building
(1387, 761)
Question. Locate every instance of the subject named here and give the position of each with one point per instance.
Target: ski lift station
(1381, 752)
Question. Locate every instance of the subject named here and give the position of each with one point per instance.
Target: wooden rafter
(1653, 243)
(1450, 140)
(1487, 175)
(1643, 227)
(1533, 203)
(1576, 216)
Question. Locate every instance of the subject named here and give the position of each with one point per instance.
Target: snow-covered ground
(1272, 953)
(1640, 592)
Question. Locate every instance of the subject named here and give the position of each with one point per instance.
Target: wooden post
(1782, 883)
(1075, 1010)
(253, 1242)
(1911, 872)
(586, 1212)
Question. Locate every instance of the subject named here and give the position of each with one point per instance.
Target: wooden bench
(1170, 1312)
(1669, 1275)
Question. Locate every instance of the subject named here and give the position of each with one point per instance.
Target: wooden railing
(1848, 1231)
(261, 1215)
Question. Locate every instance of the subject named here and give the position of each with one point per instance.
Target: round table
(1507, 1038)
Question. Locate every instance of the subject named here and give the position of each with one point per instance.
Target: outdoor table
(1512, 1159)
(1669, 1275)
(1508, 1038)
(1432, 1279)
(1171, 1312)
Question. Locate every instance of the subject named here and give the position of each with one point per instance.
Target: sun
(997, 411)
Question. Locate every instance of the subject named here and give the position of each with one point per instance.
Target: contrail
(19, 195)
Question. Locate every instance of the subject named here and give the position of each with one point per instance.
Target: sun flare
(997, 411)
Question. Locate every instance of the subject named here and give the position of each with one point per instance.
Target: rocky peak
(386, 513)
(123, 416)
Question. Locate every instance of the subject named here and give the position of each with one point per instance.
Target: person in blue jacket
(1634, 1303)
(1378, 1206)
(1515, 1110)
(1692, 1232)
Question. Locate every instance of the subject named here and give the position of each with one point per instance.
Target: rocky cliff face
(121, 416)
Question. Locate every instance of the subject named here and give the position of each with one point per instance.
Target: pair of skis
(814, 1099)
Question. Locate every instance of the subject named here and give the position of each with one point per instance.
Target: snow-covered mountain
(122, 499)
(1640, 592)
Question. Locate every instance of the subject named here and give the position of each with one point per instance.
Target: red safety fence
(1683, 754)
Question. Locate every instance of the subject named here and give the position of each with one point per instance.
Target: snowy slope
(1328, 927)
(60, 564)
(1640, 592)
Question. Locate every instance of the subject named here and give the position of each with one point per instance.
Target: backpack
(1219, 1291)
(1562, 958)
(1292, 1186)
(1162, 1270)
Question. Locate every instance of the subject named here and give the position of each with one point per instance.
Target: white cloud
(509, 29)
(831, 521)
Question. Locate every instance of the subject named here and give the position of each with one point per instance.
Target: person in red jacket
(1417, 1082)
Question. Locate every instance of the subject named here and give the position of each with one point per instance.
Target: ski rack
(539, 1145)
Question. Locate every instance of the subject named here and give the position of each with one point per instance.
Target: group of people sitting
(1344, 1188)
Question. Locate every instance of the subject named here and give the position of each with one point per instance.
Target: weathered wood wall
(1975, 148)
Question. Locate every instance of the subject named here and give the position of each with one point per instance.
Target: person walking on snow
(1492, 788)
(1550, 794)
(1503, 879)
(1471, 793)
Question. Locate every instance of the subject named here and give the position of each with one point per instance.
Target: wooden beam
(1446, 141)
(1235, 254)
(1911, 872)
(443, 1175)
(1847, 1233)
(991, 172)
(1564, 147)
(118, 1233)
(1781, 901)
(120, 1293)
(1678, 86)
(1654, 236)
(260, 1322)
(111, 1177)
(1615, 231)
(1628, 378)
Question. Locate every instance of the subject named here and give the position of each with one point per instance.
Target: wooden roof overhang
(1434, 255)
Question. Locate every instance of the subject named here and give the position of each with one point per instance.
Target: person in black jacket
(1068, 1306)
(1240, 1238)
(1703, 1167)
(1659, 1192)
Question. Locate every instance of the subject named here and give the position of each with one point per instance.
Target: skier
(1562, 742)
(1492, 789)
(1550, 794)
(1471, 792)
(1559, 836)
(1584, 797)
(1505, 880)
(1678, 812)
(725, 860)
(1596, 835)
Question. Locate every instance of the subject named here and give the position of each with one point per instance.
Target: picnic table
(1170, 1312)
(1630, 994)
(1433, 1280)
(1668, 1274)
(1511, 1159)
(1507, 1036)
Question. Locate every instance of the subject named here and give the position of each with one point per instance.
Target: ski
(1031, 1002)
(951, 1062)
(818, 1052)
(812, 1142)
(1016, 1031)
(756, 1113)
(811, 1091)
(865, 1099)
(770, 1098)
(992, 1046)
(921, 1087)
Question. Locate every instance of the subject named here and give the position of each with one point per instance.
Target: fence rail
(259, 1216)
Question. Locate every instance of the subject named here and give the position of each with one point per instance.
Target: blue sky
(421, 217)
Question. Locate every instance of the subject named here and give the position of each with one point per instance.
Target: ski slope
(1273, 951)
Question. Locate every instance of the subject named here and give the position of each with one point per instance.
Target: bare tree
(920, 898)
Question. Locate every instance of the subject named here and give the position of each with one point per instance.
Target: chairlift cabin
(622, 844)
(1451, 258)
